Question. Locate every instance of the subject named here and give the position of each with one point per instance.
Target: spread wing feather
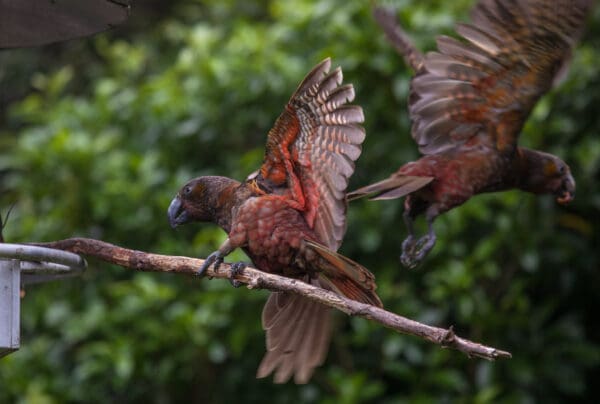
(298, 333)
(312, 148)
(487, 84)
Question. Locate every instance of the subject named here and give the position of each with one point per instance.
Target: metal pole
(10, 288)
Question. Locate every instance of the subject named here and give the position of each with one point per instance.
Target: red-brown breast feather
(312, 148)
(487, 86)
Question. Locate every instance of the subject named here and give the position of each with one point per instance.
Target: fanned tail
(298, 331)
(391, 188)
(344, 276)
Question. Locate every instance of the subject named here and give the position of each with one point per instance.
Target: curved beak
(177, 213)
(567, 192)
(565, 198)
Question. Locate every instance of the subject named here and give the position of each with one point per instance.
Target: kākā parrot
(290, 217)
(468, 103)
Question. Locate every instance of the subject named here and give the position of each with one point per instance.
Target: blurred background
(98, 134)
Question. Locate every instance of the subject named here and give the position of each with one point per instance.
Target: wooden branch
(253, 278)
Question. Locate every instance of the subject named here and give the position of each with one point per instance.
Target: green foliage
(100, 142)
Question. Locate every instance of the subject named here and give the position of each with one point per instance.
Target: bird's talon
(408, 244)
(413, 252)
(408, 252)
(236, 269)
(216, 259)
(408, 260)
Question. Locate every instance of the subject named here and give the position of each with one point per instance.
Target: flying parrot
(290, 217)
(468, 103)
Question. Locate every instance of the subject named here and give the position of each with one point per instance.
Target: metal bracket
(24, 264)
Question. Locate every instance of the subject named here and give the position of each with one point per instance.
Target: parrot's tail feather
(394, 187)
(345, 276)
(298, 329)
(298, 332)
(351, 290)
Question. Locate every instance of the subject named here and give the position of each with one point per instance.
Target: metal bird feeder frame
(25, 23)
(21, 265)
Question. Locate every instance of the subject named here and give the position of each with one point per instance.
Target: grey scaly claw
(236, 269)
(408, 244)
(215, 258)
(408, 252)
(424, 245)
(408, 260)
(413, 252)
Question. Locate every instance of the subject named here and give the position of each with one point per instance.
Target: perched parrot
(290, 217)
(468, 103)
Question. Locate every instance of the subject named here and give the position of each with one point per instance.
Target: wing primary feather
(313, 78)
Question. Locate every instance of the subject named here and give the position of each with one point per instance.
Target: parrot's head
(559, 180)
(549, 174)
(201, 200)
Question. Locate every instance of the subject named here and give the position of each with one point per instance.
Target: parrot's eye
(187, 190)
(561, 170)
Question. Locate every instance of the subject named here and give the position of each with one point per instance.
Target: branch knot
(448, 338)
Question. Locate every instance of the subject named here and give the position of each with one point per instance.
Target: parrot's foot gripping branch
(237, 268)
(215, 258)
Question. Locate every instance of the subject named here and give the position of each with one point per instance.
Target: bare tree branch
(253, 278)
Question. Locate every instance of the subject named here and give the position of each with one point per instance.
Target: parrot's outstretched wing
(311, 151)
(487, 85)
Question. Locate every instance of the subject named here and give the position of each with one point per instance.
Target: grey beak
(176, 213)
